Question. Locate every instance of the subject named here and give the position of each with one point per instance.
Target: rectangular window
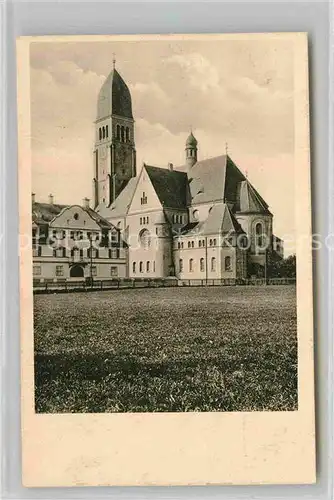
(34, 237)
(181, 265)
(113, 271)
(154, 266)
(59, 270)
(228, 263)
(94, 270)
(37, 270)
(201, 263)
(113, 253)
(134, 267)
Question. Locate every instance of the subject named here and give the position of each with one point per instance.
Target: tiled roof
(171, 186)
(114, 97)
(44, 213)
(219, 178)
(207, 180)
(101, 221)
(220, 221)
(250, 200)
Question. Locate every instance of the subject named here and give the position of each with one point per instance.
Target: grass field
(184, 349)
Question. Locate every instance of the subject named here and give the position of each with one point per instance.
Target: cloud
(201, 73)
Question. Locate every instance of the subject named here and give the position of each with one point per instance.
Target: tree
(281, 268)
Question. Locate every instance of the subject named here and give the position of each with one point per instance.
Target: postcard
(165, 260)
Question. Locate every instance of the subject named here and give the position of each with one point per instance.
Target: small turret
(191, 150)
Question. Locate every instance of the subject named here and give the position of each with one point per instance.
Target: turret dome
(114, 97)
(191, 141)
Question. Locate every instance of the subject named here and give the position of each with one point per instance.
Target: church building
(199, 220)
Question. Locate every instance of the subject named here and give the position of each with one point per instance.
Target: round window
(76, 216)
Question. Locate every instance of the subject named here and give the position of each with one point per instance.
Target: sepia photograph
(163, 226)
(165, 260)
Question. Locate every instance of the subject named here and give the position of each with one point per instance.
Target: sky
(234, 92)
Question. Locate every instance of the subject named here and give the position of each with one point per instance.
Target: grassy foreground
(185, 349)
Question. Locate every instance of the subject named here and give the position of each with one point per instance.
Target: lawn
(184, 349)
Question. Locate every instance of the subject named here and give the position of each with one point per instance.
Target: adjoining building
(74, 242)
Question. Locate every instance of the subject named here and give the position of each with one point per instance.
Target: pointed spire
(114, 60)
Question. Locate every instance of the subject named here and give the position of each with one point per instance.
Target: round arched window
(145, 238)
(259, 234)
(76, 216)
(196, 214)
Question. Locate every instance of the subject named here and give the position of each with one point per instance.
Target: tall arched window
(148, 266)
(122, 134)
(140, 267)
(100, 134)
(134, 267)
(118, 132)
(145, 238)
(103, 132)
(127, 134)
(106, 130)
(191, 265)
(228, 265)
(259, 234)
(180, 265)
(201, 265)
(213, 264)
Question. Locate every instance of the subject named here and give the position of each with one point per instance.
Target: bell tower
(191, 150)
(114, 151)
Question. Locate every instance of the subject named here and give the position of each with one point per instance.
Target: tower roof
(191, 141)
(114, 97)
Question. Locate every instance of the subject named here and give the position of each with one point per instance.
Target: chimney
(170, 167)
(33, 198)
(85, 202)
(51, 199)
